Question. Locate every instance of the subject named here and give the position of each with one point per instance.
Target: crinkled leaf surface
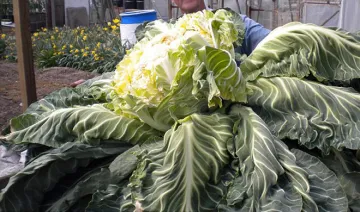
(86, 124)
(267, 168)
(90, 92)
(123, 165)
(317, 115)
(350, 182)
(26, 190)
(325, 188)
(347, 168)
(184, 174)
(108, 200)
(222, 74)
(341, 162)
(96, 180)
(297, 49)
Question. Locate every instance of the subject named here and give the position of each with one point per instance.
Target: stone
(77, 16)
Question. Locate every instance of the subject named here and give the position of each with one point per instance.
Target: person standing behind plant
(254, 32)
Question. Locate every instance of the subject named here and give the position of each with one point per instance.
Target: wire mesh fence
(274, 13)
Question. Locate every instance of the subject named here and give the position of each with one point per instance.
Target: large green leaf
(123, 165)
(26, 190)
(64, 98)
(184, 174)
(224, 78)
(115, 195)
(325, 188)
(297, 49)
(86, 124)
(96, 180)
(234, 18)
(351, 185)
(108, 200)
(92, 91)
(317, 115)
(227, 30)
(341, 162)
(267, 168)
(88, 93)
(347, 168)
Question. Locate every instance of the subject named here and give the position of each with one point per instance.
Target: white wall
(161, 6)
(232, 5)
(349, 15)
(319, 14)
(76, 3)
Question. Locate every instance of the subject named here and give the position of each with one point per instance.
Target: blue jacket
(254, 33)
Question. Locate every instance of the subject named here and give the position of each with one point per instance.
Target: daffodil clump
(94, 48)
(7, 47)
(152, 69)
(2, 43)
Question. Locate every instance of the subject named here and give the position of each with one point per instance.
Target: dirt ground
(47, 80)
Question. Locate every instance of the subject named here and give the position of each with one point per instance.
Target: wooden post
(170, 9)
(24, 52)
(53, 14)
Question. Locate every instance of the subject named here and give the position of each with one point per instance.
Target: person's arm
(254, 33)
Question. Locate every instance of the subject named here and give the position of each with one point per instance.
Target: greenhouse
(179, 105)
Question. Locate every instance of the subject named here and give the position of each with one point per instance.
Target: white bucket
(131, 20)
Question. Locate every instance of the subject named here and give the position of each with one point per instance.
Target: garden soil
(47, 81)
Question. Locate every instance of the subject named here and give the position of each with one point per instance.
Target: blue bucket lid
(138, 17)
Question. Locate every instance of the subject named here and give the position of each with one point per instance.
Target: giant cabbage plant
(180, 126)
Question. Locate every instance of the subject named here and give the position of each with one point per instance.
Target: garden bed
(47, 80)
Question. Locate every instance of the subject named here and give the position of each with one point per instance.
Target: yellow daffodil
(109, 23)
(105, 29)
(85, 38)
(85, 54)
(82, 50)
(54, 46)
(44, 29)
(113, 27)
(76, 50)
(64, 47)
(52, 37)
(98, 44)
(71, 46)
(87, 48)
(93, 52)
(116, 21)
